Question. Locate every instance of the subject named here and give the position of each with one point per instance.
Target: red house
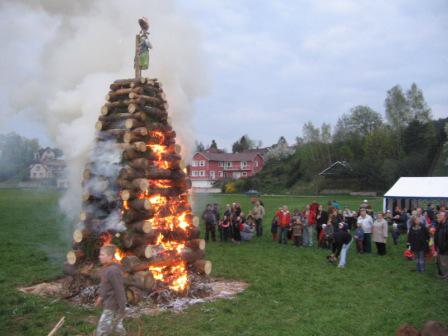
(207, 167)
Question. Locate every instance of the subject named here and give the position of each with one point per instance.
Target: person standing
(258, 213)
(321, 218)
(284, 223)
(112, 296)
(366, 222)
(441, 244)
(209, 218)
(418, 238)
(379, 234)
(342, 242)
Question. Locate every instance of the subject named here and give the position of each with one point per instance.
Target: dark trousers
(210, 229)
(259, 227)
(226, 233)
(367, 243)
(297, 240)
(395, 236)
(381, 248)
(359, 247)
(283, 235)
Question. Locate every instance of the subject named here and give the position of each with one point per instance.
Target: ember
(139, 202)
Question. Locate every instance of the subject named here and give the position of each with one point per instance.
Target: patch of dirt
(154, 303)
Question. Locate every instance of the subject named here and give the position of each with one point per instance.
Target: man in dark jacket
(441, 243)
(209, 217)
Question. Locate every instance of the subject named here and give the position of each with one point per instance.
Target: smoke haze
(81, 47)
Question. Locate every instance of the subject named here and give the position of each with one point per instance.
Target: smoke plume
(60, 57)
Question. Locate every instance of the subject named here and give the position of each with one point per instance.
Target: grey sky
(274, 65)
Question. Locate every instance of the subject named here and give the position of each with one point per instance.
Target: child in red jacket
(284, 223)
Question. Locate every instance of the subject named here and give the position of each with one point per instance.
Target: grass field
(292, 291)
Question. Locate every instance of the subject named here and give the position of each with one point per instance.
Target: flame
(169, 214)
(119, 255)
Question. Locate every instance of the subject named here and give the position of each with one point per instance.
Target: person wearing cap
(366, 222)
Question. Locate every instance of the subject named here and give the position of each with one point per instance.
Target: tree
(199, 146)
(280, 150)
(361, 119)
(310, 133)
(16, 155)
(243, 144)
(398, 113)
(419, 109)
(213, 145)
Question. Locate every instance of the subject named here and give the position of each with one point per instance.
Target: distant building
(48, 166)
(210, 166)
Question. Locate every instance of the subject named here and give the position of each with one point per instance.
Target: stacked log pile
(138, 198)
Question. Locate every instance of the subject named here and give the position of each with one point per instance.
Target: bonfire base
(154, 303)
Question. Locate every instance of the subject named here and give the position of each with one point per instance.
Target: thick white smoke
(60, 57)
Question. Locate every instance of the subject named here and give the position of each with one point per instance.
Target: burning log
(167, 259)
(203, 266)
(142, 280)
(134, 295)
(132, 215)
(75, 256)
(143, 226)
(137, 134)
(138, 184)
(196, 244)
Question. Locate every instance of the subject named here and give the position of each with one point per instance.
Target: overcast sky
(274, 65)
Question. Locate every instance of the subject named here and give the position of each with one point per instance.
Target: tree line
(377, 150)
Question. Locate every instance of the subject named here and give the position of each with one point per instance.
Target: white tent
(412, 190)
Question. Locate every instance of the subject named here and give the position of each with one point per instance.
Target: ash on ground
(159, 300)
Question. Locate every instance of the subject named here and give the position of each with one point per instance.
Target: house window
(194, 173)
(220, 174)
(236, 175)
(228, 164)
(202, 163)
(256, 163)
(194, 163)
(221, 163)
(202, 173)
(212, 174)
(244, 173)
(243, 164)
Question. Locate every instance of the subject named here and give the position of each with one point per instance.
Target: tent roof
(419, 187)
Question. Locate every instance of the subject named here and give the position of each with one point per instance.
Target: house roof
(419, 187)
(337, 168)
(244, 156)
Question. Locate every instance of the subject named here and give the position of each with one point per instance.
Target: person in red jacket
(284, 223)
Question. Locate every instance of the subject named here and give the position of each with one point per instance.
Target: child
(112, 296)
(274, 225)
(359, 237)
(226, 228)
(329, 231)
(297, 231)
(395, 233)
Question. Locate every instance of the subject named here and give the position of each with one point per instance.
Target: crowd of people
(233, 225)
(335, 228)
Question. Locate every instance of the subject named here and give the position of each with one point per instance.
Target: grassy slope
(292, 291)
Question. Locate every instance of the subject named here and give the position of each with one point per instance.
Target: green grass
(292, 291)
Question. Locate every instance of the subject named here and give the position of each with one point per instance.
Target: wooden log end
(203, 266)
